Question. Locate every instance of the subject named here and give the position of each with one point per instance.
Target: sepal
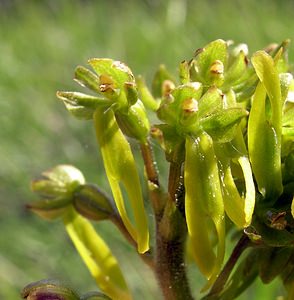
(116, 70)
(80, 105)
(50, 209)
(88, 79)
(92, 203)
(222, 125)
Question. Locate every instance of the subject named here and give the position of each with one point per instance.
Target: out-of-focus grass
(41, 42)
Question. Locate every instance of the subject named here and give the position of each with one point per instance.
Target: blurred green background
(41, 42)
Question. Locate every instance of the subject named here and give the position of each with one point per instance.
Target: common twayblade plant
(226, 127)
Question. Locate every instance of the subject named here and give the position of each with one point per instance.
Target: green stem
(150, 164)
(170, 268)
(176, 188)
(220, 282)
(170, 244)
(171, 230)
(155, 191)
(175, 179)
(147, 257)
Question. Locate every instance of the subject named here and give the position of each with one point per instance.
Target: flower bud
(171, 106)
(208, 65)
(112, 78)
(118, 72)
(159, 78)
(60, 181)
(134, 123)
(48, 289)
(164, 113)
(56, 188)
(92, 203)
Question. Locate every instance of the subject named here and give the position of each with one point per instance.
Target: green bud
(92, 203)
(95, 296)
(56, 188)
(160, 76)
(208, 65)
(80, 105)
(48, 289)
(112, 78)
(135, 122)
(60, 181)
(116, 70)
(185, 91)
(171, 107)
(164, 113)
